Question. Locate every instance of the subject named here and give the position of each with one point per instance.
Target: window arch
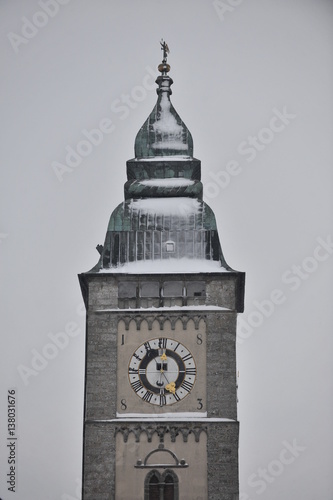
(154, 486)
(169, 487)
(161, 486)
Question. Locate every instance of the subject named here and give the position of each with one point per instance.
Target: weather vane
(166, 50)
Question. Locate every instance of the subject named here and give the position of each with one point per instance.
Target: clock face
(162, 371)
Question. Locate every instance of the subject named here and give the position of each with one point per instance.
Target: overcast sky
(253, 83)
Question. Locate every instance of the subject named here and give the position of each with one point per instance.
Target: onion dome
(163, 219)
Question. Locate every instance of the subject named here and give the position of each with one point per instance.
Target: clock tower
(160, 415)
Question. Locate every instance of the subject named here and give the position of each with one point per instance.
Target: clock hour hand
(159, 382)
(166, 378)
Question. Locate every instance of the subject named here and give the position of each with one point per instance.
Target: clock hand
(159, 368)
(159, 382)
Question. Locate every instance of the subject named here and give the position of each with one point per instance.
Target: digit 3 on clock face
(162, 371)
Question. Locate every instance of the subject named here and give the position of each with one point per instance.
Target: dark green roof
(163, 133)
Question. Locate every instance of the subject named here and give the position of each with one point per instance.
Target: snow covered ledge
(168, 266)
(165, 417)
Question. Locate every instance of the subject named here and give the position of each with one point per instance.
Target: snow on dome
(169, 144)
(166, 122)
(167, 126)
(167, 206)
(163, 133)
(170, 182)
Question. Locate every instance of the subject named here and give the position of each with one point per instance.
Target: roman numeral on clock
(187, 385)
(191, 371)
(147, 397)
(136, 385)
(187, 357)
(147, 347)
(162, 343)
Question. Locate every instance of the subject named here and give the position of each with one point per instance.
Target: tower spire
(163, 216)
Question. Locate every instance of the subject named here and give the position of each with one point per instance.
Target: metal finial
(164, 67)
(166, 50)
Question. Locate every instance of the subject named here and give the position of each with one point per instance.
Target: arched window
(161, 486)
(169, 488)
(154, 487)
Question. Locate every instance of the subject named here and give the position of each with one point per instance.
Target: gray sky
(253, 83)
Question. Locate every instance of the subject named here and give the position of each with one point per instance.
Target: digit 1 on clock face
(162, 371)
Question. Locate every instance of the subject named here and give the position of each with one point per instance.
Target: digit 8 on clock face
(162, 371)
